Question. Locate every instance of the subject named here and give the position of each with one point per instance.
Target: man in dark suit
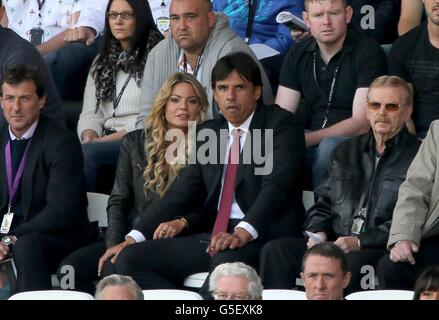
(42, 196)
(242, 204)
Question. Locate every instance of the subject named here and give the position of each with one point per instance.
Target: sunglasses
(391, 107)
(125, 15)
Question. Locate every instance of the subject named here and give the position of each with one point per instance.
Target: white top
(93, 15)
(160, 13)
(23, 15)
(125, 115)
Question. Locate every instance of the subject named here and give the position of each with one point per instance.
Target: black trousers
(403, 276)
(281, 263)
(38, 255)
(165, 263)
(85, 264)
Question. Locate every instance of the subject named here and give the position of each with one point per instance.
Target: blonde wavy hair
(159, 175)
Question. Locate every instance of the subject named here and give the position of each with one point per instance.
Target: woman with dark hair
(427, 285)
(144, 174)
(112, 93)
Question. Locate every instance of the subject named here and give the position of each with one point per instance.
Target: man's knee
(27, 244)
(127, 259)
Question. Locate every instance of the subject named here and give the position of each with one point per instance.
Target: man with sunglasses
(355, 203)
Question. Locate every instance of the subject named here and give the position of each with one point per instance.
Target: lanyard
(116, 100)
(40, 4)
(197, 64)
(13, 185)
(252, 4)
(331, 92)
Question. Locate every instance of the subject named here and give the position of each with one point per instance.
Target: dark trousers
(70, 66)
(403, 276)
(85, 264)
(37, 256)
(165, 263)
(281, 263)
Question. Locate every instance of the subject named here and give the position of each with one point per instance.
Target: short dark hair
(20, 73)
(427, 281)
(328, 250)
(240, 62)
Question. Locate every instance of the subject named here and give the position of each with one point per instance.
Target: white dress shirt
(27, 135)
(53, 18)
(93, 15)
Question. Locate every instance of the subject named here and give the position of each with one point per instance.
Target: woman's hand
(89, 136)
(169, 229)
(113, 253)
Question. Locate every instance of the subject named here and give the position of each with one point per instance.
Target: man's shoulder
(413, 36)
(303, 47)
(361, 42)
(52, 131)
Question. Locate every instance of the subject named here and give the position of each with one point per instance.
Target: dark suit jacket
(52, 188)
(271, 203)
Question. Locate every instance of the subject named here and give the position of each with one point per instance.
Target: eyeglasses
(125, 15)
(230, 296)
(391, 107)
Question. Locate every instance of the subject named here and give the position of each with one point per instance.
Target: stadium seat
(51, 295)
(171, 294)
(283, 294)
(381, 295)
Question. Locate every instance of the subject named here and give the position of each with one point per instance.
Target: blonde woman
(143, 175)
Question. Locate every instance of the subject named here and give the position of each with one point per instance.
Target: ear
(42, 102)
(211, 19)
(2, 13)
(349, 12)
(408, 113)
(258, 92)
(346, 279)
(305, 18)
(215, 95)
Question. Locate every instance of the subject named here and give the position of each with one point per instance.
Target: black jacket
(53, 195)
(128, 200)
(271, 203)
(351, 173)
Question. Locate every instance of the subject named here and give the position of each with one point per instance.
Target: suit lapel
(256, 123)
(29, 169)
(4, 189)
(221, 153)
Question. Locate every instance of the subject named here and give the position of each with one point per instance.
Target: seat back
(97, 208)
(195, 280)
(52, 295)
(170, 294)
(308, 199)
(381, 295)
(283, 294)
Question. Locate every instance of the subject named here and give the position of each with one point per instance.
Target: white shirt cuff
(249, 228)
(136, 235)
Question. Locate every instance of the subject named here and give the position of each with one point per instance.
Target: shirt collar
(27, 135)
(244, 126)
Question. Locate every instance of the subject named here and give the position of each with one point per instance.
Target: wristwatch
(7, 241)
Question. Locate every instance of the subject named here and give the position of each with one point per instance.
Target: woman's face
(122, 22)
(429, 295)
(183, 106)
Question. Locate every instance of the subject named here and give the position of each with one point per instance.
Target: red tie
(222, 219)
